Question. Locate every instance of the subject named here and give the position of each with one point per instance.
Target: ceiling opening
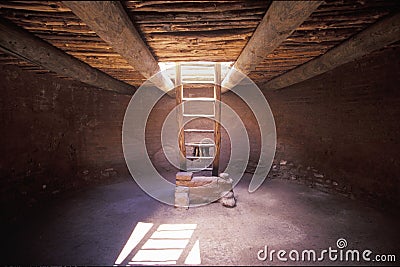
(195, 71)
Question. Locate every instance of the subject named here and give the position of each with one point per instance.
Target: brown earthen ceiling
(197, 30)
(194, 31)
(331, 24)
(56, 24)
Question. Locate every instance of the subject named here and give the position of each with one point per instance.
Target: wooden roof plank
(111, 23)
(380, 34)
(280, 21)
(21, 43)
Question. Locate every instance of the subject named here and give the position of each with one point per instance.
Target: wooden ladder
(181, 115)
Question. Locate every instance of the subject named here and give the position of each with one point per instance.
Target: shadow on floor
(93, 226)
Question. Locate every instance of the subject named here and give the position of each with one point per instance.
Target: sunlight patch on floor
(194, 255)
(165, 246)
(137, 235)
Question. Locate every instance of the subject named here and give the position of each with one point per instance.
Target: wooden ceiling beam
(112, 24)
(378, 35)
(280, 21)
(23, 44)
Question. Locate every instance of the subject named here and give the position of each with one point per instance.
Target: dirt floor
(93, 226)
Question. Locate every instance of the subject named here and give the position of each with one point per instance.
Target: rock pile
(201, 190)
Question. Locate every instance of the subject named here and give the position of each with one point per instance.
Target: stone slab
(181, 197)
(210, 192)
(192, 183)
(184, 176)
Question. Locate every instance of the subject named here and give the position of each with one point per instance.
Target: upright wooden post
(217, 125)
(181, 133)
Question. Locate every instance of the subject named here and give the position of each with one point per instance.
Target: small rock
(224, 175)
(110, 172)
(228, 202)
(293, 177)
(322, 185)
(283, 162)
(228, 199)
(44, 186)
(317, 175)
(228, 194)
(335, 183)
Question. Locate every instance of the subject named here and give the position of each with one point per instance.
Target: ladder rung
(199, 169)
(201, 82)
(198, 99)
(199, 115)
(199, 144)
(198, 64)
(198, 131)
(196, 157)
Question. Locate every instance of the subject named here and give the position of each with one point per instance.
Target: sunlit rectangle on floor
(157, 255)
(137, 235)
(135, 263)
(194, 255)
(173, 234)
(163, 244)
(172, 227)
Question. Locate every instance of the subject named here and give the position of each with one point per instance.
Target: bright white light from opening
(196, 71)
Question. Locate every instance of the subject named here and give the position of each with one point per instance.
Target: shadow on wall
(344, 125)
(58, 135)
